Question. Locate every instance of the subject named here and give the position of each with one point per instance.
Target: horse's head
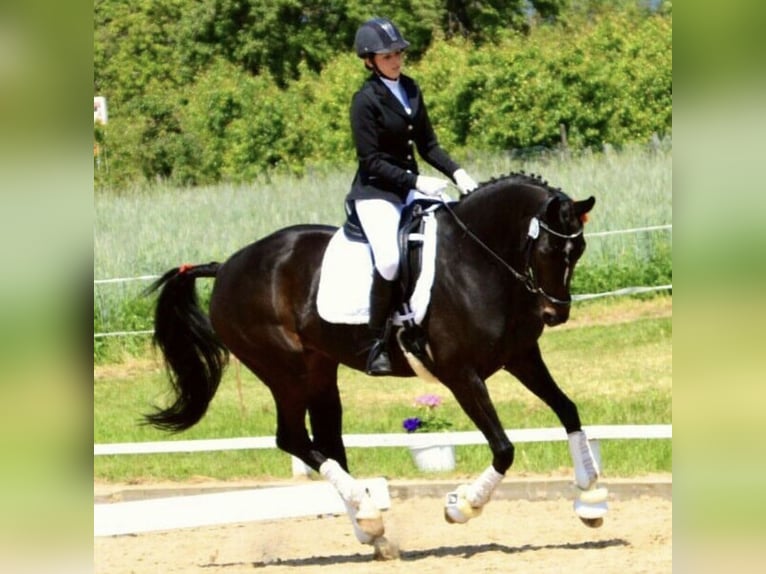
(555, 244)
(534, 230)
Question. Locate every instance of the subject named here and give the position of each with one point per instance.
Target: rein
(527, 278)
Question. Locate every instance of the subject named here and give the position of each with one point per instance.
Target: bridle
(527, 278)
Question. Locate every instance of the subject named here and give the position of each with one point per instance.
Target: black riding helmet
(378, 36)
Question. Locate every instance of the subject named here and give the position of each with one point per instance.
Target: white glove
(430, 185)
(465, 183)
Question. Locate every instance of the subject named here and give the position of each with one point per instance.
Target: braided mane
(520, 177)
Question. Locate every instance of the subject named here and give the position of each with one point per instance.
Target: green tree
(486, 20)
(279, 36)
(136, 43)
(221, 90)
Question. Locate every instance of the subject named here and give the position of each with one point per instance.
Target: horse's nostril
(551, 318)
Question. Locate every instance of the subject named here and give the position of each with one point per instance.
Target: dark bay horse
(505, 258)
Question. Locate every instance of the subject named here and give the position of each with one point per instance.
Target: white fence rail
(583, 297)
(594, 234)
(594, 432)
(302, 500)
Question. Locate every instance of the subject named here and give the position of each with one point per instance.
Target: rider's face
(390, 65)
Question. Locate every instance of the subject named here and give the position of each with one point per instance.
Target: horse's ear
(583, 207)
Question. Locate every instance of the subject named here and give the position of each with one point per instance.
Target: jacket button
(410, 142)
(409, 127)
(409, 156)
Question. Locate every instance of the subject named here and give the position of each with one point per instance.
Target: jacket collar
(389, 100)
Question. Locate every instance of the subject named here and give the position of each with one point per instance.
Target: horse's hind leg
(284, 374)
(533, 374)
(325, 409)
(326, 417)
(305, 382)
(311, 388)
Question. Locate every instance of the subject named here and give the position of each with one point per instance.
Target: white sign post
(100, 117)
(99, 110)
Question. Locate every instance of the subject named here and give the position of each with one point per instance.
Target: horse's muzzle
(555, 314)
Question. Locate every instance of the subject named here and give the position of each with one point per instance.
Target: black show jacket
(386, 136)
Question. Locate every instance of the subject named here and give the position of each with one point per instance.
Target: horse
(503, 267)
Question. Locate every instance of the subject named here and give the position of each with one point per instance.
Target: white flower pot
(433, 458)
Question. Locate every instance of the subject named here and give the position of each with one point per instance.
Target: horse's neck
(501, 216)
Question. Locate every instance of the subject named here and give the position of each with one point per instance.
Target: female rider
(388, 121)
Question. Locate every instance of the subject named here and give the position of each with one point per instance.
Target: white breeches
(380, 221)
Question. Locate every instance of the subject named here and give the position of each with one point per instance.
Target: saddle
(411, 336)
(411, 237)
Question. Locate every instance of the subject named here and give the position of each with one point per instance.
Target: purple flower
(411, 425)
(430, 401)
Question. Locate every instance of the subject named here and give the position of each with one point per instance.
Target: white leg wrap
(480, 491)
(344, 483)
(468, 500)
(365, 516)
(585, 465)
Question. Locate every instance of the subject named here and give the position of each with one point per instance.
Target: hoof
(385, 549)
(366, 520)
(591, 506)
(457, 509)
(373, 528)
(369, 519)
(592, 522)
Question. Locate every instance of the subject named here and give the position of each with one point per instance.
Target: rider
(388, 120)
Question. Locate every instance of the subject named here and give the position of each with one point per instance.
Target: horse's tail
(194, 356)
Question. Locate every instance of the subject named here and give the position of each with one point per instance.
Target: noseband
(530, 282)
(527, 278)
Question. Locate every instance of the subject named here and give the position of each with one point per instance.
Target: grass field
(614, 359)
(145, 232)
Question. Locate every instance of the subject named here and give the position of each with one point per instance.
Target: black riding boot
(381, 296)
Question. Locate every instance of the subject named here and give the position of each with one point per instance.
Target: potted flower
(429, 418)
(429, 455)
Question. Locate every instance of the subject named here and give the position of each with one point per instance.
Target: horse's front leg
(468, 500)
(530, 369)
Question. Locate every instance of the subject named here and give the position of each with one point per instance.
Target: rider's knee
(388, 268)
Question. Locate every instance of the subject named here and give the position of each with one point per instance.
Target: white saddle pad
(346, 279)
